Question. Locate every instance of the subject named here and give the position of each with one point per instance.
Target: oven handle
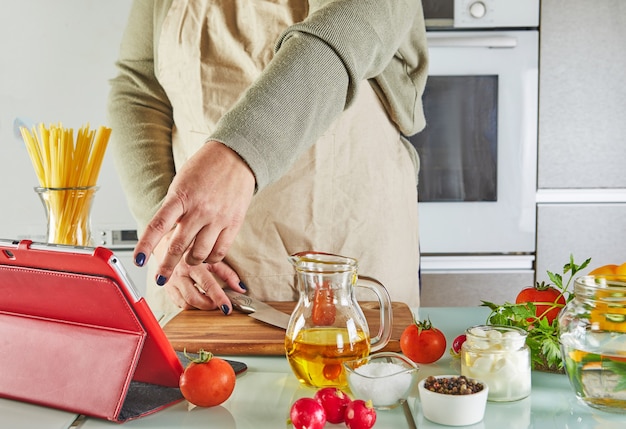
(499, 42)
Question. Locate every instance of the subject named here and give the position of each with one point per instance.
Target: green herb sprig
(542, 339)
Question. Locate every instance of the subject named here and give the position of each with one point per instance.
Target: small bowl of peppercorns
(453, 400)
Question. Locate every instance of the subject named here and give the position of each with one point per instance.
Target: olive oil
(316, 355)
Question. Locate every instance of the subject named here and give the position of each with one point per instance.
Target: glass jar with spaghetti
(67, 170)
(68, 214)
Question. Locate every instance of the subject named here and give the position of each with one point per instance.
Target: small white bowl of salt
(385, 378)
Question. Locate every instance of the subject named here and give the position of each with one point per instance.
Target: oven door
(478, 151)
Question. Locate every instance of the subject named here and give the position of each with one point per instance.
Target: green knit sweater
(317, 69)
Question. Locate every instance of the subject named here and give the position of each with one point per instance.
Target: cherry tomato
(548, 300)
(207, 380)
(360, 415)
(332, 371)
(334, 401)
(423, 343)
(323, 311)
(455, 350)
(307, 413)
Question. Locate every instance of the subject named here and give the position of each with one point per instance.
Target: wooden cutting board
(240, 334)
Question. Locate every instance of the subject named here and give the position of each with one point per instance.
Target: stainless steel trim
(476, 264)
(447, 41)
(580, 196)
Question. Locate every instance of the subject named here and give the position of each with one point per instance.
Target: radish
(307, 413)
(360, 415)
(334, 401)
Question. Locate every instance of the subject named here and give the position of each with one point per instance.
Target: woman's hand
(200, 286)
(203, 211)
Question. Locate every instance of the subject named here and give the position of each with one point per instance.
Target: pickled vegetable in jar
(592, 333)
(498, 355)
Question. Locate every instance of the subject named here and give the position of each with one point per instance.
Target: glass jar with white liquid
(498, 356)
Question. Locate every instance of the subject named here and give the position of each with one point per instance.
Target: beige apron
(353, 193)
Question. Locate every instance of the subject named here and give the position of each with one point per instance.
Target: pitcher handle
(386, 314)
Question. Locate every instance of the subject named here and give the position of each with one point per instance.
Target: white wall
(56, 57)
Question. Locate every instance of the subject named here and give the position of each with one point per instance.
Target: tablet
(77, 335)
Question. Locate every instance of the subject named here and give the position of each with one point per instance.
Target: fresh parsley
(542, 339)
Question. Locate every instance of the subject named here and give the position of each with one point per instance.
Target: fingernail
(160, 280)
(140, 259)
(224, 309)
(243, 286)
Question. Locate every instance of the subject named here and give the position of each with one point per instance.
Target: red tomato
(423, 343)
(323, 311)
(207, 381)
(548, 300)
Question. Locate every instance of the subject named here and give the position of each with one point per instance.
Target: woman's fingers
(206, 205)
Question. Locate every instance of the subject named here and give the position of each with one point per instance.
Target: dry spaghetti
(67, 171)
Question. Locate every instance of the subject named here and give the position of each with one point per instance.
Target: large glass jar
(498, 355)
(592, 333)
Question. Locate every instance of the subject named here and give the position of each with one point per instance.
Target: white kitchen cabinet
(596, 231)
(468, 289)
(581, 179)
(582, 94)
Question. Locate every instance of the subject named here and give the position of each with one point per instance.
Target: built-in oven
(478, 152)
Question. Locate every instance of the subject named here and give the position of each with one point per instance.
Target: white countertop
(264, 394)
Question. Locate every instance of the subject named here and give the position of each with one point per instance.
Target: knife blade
(258, 309)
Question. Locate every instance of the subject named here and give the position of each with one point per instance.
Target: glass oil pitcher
(328, 327)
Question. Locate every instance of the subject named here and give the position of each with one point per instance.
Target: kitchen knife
(257, 309)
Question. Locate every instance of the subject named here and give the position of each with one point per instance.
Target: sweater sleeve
(140, 116)
(400, 86)
(315, 74)
(316, 71)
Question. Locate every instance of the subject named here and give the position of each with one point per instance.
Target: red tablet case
(75, 335)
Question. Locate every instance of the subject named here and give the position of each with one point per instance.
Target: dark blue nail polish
(224, 309)
(140, 259)
(160, 280)
(243, 286)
